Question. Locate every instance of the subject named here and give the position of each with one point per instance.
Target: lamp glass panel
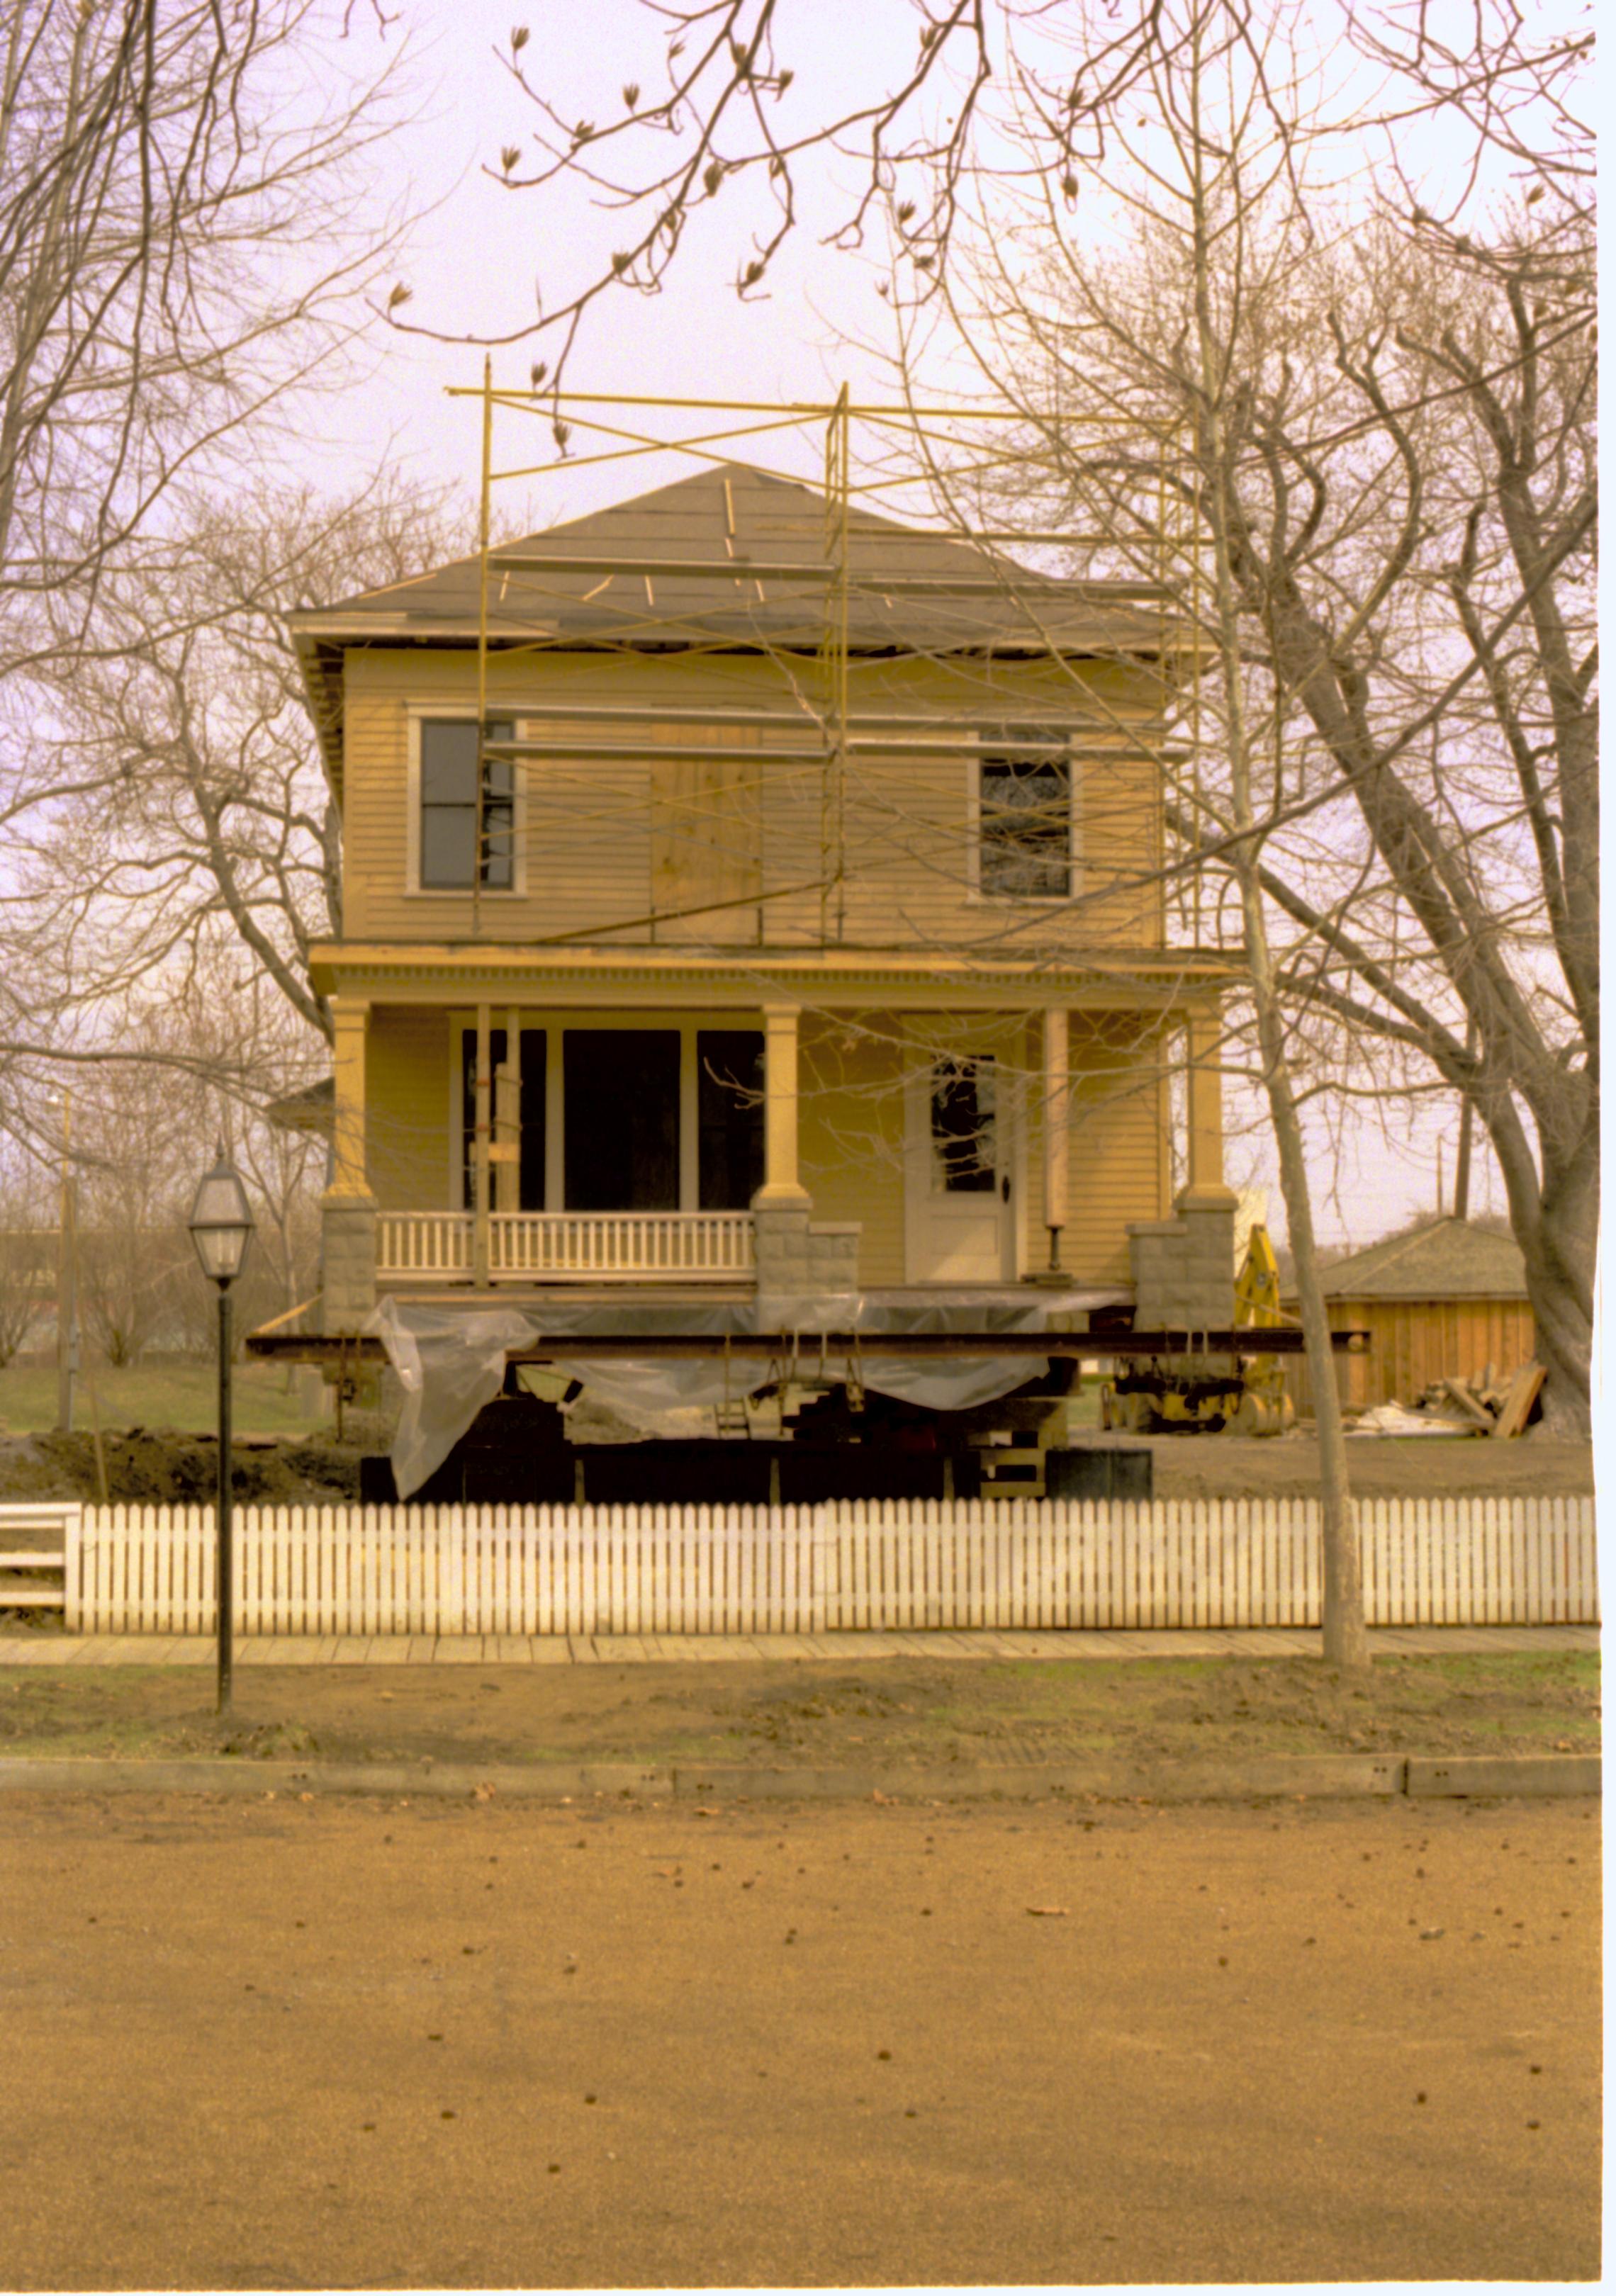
(221, 1251)
(221, 1201)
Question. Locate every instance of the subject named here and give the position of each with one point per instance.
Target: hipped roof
(909, 591)
(1450, 1260)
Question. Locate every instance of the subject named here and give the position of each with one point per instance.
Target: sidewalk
(619, 1650)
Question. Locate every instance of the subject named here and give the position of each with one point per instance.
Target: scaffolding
(828, 732)
(813, 610)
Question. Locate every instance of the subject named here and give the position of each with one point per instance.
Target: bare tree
(169, 802)
(28, 1258)
(1384, 442)
(715, 108)
(182, 238)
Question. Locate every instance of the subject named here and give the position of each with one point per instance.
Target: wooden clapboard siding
(901, 1566)
(375, 814)
(1414, 1342)
(602, 846)
(408, 1084)
(851, 1132)
(1116, 1163)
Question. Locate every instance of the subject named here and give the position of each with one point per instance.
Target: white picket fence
(697, 1570)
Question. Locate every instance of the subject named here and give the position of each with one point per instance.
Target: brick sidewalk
(610, 1649)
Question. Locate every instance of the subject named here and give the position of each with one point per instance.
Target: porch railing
(568, 1247)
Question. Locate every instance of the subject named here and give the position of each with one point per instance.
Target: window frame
(424, 713)
(997, 745)
(691, 1022)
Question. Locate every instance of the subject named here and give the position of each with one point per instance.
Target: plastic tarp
(451, 1361)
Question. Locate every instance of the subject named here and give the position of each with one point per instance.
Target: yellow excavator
(1248, 1398)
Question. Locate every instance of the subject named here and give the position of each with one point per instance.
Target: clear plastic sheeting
(449, 1365)
(451, 1361)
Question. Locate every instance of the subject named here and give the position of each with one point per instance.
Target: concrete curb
(1485, 1774)
(1302, 1777)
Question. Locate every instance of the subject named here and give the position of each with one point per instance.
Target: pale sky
(471, 265)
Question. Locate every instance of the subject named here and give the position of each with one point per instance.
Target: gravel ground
(330, 2043)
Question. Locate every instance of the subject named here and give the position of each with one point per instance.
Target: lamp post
(221, 1229)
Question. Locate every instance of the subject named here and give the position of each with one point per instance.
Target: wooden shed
(1440, 1301)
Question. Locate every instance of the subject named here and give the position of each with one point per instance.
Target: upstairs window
(448, 807)
(1024, 820)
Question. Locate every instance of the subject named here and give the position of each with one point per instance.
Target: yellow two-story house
(730, 915)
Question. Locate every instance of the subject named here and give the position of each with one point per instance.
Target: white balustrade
(430, 1247)
(568, 1247)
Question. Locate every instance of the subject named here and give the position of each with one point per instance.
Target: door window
(965, 1126)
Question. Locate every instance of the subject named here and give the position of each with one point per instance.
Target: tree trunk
(1558, 1248)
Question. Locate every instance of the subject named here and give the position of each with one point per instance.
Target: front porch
(764, 1151)
(591, 1146)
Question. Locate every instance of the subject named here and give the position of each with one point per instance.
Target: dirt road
(285, 2044)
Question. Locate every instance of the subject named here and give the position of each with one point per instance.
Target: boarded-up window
(705, 840)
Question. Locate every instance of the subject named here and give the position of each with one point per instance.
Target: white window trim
(418, 713)
(973, 840)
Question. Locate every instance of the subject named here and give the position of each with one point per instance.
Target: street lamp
(221, 1229)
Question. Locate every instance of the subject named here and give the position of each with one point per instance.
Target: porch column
(350, 1020)
(481, 1142)
(1057, 1138)
(506, 1151)
(1183, 1269)
(347, 1209)
(1205, 1080)
(781, 1190)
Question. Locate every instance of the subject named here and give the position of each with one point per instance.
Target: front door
(959, 1189)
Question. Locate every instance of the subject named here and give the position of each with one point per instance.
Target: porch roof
(456, 972)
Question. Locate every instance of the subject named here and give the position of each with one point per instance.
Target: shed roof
(1448, 1259)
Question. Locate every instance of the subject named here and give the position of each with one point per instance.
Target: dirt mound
(155, 1466)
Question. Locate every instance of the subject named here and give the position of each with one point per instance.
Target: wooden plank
(1494, 1605)
(543, 1571)
(1564, 1530)
(1458, 1392)
(1540, 1608)
(1524, 1390)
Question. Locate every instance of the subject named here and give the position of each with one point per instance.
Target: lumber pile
(1485, 1406)
(1461, 1407)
